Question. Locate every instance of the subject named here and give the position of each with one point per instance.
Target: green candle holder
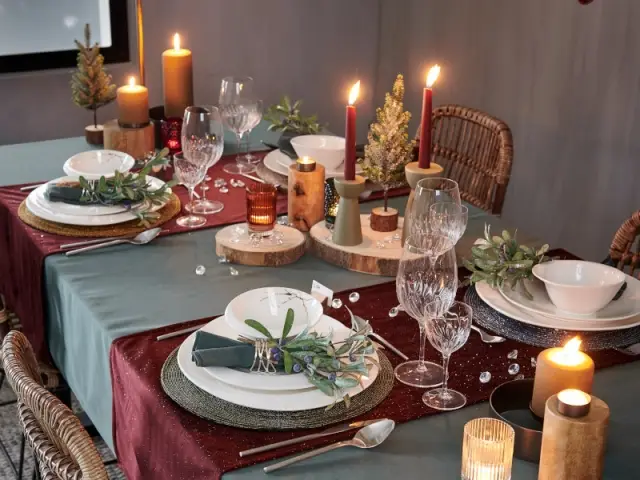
(348, 231)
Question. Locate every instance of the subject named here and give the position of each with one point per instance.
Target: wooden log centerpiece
(93, 134)
(137, 142)
(306, 194)
(384, 220)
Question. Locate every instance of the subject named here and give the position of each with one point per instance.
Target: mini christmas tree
(389, 148)
(91, 86)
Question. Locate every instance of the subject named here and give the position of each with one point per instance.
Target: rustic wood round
(368, 257)
(265, 255)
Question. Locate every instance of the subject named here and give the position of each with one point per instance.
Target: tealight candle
(487, 450)
(133, 104)
(306, 164)
(177, 79)
(261, 208)
(559, 369)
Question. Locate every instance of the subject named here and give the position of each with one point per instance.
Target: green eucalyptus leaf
(346, 382)
(288, 323)
(288, 362)
(259, 327)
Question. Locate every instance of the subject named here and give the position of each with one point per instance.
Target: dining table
(92, 300)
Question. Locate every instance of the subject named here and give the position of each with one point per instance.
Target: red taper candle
(424, 154)
(350, 135)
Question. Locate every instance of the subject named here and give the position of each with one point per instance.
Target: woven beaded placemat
(170, 210)
(487, 317)
(209, 407)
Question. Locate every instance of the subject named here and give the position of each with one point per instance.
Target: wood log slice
(137, 142)
(382, 221)
(267, 254)
(94, 134)
(378, 254)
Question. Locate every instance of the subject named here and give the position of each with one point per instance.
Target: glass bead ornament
(283, 220)
(233, 272)
(394, 312)
(201, 270)
(520, 376)
(222, 259)
(514, 369)
(512, 355)
(534, 362)
(239, 184)
(224, 190)
(219, 182)
(354, 297)
(336, 303)
(485, 377)
(380, 244)
(397, 237)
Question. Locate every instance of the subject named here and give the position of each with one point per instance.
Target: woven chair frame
(476, 150)
(625, 247)
(63, 447)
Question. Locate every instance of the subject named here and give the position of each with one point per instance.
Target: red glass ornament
(171, 134)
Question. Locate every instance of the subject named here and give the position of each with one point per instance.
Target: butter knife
(330, 431)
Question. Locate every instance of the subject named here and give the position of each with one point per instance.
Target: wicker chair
(625, 247)
(476, 150)
(62, 447)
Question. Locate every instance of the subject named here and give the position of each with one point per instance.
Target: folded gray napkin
(210, 350)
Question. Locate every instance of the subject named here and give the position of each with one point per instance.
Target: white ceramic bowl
(579, 287)
(324, 149)
(269, 307)
(98, 163)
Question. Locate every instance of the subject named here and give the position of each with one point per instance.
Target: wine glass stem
(445, 368)
(423, 342)
(239, 146)
(204, 190)
(248, 143)
(191, 192)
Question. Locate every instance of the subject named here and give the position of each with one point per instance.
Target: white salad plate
(278, 162)
(627, 306)
(264, 381)
(270, 305)
(94, 164)
(277, 401)
(38, 204)
(492, 297)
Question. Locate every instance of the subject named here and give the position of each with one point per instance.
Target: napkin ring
(262, 358)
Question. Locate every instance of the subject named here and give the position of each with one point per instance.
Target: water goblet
(447, 330)
(427, 271)
(253, 120)
(430, 191)
(189, 174)
(449, 219)
(236, 93)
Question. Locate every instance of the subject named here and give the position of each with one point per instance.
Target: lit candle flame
(570, 354)
(432, 76)
(353, 95)
(132, 81)
(176, 42)
(573, 345)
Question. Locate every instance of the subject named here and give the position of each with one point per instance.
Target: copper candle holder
(261, 208)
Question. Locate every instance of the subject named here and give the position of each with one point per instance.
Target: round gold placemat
(170, 210)
(209, 407)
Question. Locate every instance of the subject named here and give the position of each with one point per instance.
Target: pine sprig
(132, 190)
(389, 148)
(91, 86)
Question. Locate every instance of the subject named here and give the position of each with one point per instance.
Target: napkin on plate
(67, 192)
(210, 350)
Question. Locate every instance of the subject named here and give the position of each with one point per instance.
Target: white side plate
(278, 162)
(94, 164)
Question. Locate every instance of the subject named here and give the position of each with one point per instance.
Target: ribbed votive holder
(487, 450)
(261, 208)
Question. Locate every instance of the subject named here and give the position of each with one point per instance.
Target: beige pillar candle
(558, 369)
(133, 104)
(177, 79)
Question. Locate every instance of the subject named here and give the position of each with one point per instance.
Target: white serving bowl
(269, 307)
(327, 150)
(98, 163)
(579, 287)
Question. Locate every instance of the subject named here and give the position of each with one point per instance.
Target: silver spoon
(487, 337)
(367, 437)
(140, 239)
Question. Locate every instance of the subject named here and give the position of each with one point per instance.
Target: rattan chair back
(476, 150)
(625, 247)
(62, 446)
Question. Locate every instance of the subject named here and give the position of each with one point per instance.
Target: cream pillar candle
(558, 369)
(177, 79)
(133, 104)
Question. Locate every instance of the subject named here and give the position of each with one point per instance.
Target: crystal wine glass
(449, 219)
(423, 278)
(238, 108)
(203, 127)
(448, 329)
(255, 115)
(189, 174)
(430, 191)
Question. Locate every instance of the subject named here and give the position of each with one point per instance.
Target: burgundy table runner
(155, 438)
(23, 248)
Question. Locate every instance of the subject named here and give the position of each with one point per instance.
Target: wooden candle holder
(137, 142)
(573, 448)
(414, 174)
(306, 197)
(94, 134)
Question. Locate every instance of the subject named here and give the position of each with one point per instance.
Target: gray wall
(565, 77)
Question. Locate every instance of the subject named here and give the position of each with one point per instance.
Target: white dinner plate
(263, 381)
(94, 164)
(278, 162)
(627, 306)
(38, 205)
(493, 298)
(277, 401)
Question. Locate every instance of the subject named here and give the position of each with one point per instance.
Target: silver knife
(330, 431)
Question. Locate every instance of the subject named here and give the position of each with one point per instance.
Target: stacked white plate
(264, 391)
(620, 314)
(278, 162)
